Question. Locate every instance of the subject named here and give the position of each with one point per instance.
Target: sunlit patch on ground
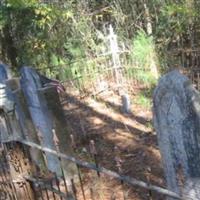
(103, 121)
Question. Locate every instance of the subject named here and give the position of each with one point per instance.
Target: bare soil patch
(128, 137)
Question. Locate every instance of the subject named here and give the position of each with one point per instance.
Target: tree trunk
(153, 66)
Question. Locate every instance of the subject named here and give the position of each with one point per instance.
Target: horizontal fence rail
(95, 167)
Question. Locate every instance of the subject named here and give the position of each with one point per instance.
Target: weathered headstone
(177, 123)
(40, 114)
(9, 124)
(126, 106)
(10, 130)
(24, 121)
(59, 124)
(6, 102)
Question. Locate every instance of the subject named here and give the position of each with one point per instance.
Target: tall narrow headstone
(177, 123)
(61, 130)
(24, 120)
(40, 114)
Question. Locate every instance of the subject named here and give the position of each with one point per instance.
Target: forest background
(66, 39)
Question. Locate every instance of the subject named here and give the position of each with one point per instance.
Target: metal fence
(194, 75)
(111, 67)
(21, 179)
(188, 61)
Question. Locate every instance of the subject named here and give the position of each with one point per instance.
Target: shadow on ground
(103, 122)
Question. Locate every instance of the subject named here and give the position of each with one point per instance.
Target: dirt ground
(128, 138)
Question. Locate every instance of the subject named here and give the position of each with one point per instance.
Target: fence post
(115, 55)
(177, 123)
(114, 48)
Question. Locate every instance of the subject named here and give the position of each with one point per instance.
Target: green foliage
(144, 77)
(21, 3)
(84, 71)
(64, 39)
(144, 97)
(48, 36)
(143, 50)
(175, 25)
(142, 55)
(142, 100)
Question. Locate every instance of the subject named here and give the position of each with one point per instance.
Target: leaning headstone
(59, 123)
(177, 123)
(10, 130)
(40, 114)
(24, 121)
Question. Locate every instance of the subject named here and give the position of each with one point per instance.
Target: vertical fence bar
(92, 194)
(93, 152)
(148, 171)
(56, 143)
(23, 184)
(53, 194)
(81, 182)
(46, 192)
(74, 189)
(7, 171)
(58, 185)
(113, 196)
(32, 166)
(94, 155)
(119, 168)
(73, 144)
(27, 167)
(40, 137)
(4, 177)
(39, 187)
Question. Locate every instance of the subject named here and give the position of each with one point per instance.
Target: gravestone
(41, 116)
(9, 124)
(24, 120)
(10, 130)
(126, 106)
(6, 101)
(59, 123)
(176, 107)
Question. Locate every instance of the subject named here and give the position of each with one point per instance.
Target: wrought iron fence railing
(18, 172)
